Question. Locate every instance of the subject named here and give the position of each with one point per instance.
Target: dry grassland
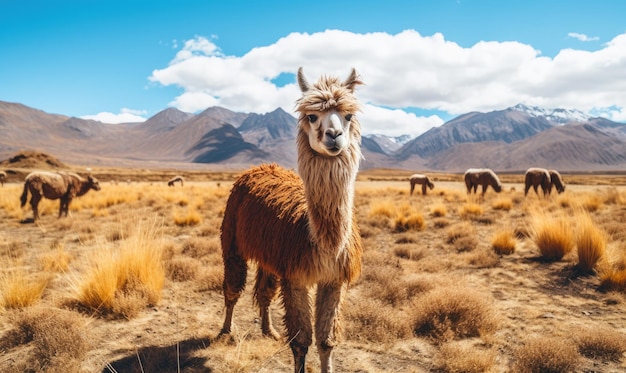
(131, 282)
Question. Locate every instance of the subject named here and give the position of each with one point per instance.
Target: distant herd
(65, 186)
(484, 177)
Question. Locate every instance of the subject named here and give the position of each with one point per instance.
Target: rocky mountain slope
(509, 140)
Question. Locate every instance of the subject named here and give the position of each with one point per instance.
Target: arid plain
(131, 281)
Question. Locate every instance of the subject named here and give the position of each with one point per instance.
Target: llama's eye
(348, 117)
(312, 118)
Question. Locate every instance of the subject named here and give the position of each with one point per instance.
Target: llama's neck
(329, 184)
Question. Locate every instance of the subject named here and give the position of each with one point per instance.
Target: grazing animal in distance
(484, 177)
(556, 181)
(174, 180)
(3, 177)
(536, 177)
(301, 230)
(56, 185)
(422, 180)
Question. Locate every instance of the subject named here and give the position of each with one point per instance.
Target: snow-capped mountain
(559, 116)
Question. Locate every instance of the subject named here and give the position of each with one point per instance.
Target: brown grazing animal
(484, 177)
(557, 181)
(301, 231)
(536, 177)
(3, 177)
(56, 185)
(422, 180)
(175, 179)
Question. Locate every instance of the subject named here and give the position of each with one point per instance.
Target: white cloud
(405, 70)
(125, 116)
(582, 37)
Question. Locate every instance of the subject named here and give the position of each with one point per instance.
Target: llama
(301, 231)
(56, 185)
(3, 177)
(536, 177)
(422, 180)
(484, 177)
(175, 179)
(556, 181)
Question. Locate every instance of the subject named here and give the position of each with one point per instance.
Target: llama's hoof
(224, 337)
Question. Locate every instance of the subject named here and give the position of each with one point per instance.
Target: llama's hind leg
(327, 322)
(235, 272)
(34, 204)
(265, 290)
(297, 303)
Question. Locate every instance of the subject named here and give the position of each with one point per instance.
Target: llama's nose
(333, 133)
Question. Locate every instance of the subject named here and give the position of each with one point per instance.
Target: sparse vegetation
(553, 236)
(464, 291)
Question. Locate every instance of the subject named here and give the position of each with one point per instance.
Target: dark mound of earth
(33, 159)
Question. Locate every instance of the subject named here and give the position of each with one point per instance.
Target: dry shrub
(441, 223)
(211, 279)
(456, 357)
(613, 276)
(409, 221)
(59, 341)
(122, 282)
(503, 242)
(483, 258)
(410, 252)
(462, 237)
(187, 217)
(553, 236)
(200, 247)
(439, 210)
(544, 354)
(564, 200)
(601, 343)
(502, 203)
(614, 196)
(470, 209)
(448, 313)
(18, 289)
(373, 321)
(183, 269)
(591, 243)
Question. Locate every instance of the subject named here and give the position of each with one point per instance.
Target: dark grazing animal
(484, 177)
(301, 230)
(3, 177)
(422, 180)
(174, 180)
(536, 177)
(557, 181)
(56, 185)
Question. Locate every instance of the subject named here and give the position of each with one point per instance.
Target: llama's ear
(302, 82)
(353, 80)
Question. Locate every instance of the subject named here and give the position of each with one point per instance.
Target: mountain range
(512, 139)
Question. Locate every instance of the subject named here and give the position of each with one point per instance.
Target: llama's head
(327, 113)
(93, 183)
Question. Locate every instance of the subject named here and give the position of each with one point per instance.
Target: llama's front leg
(265, 290)
(34, 204)
(235, 273)
(328, 328)
(297, 303)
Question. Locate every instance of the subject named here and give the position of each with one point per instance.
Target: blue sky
(423, 62)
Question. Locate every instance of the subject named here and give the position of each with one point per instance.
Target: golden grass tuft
(547, 354)
(18, 289)
(590, 242)
(439, 210)
(373, 321)
(409, 221)
(502, 203)
(552, 235)
(57, 260)
(450, 313)
(187, 217)
(470, 209)
(122, 281)
(385, 208)
(503, 242)
(456, 357)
